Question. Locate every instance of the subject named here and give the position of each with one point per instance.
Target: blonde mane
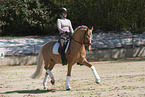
(81, 27)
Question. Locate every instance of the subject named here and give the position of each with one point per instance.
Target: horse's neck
(75, 45)
(77, 48)
(76, 37)
(75, 41)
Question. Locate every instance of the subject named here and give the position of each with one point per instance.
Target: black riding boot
(63, 58)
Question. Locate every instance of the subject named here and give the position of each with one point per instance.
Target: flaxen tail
(39, 69)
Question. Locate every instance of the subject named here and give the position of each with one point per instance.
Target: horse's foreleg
(68, 77)
(97, 78)
(95, 74)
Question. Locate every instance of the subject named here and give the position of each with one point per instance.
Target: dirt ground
(118, 79)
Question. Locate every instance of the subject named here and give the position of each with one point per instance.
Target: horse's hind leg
(86, 63)
(45, 80)
(48, 73)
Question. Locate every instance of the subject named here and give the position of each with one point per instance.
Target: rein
(77, 41)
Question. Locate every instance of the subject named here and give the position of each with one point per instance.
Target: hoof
(68, 89)
(98, 82)
(52, 82)
(44, 87)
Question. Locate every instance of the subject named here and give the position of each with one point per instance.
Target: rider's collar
(63, 18)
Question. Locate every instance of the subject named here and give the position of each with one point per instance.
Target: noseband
(83, 39)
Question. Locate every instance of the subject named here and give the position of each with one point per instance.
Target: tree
(38, 17)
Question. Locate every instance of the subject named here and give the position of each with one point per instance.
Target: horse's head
(88, 38)
(84, 36)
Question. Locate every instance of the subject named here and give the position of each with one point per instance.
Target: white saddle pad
(56, 46)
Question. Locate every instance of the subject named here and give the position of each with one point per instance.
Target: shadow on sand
(37, 91)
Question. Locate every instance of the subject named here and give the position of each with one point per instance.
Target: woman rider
(65, 30)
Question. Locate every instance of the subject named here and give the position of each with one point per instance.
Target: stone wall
(116, 53)
(92, 55)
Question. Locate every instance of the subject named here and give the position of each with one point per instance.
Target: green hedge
(109, 14)
(38, 17)
(26, 17)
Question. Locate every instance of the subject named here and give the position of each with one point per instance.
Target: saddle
(56, 47)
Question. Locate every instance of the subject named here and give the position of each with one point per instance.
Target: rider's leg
(62, 51)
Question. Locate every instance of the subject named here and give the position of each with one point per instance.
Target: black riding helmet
(63, 10)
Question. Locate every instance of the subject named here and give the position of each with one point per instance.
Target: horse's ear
(92, 28)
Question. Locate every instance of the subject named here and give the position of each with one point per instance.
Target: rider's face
(64, 14)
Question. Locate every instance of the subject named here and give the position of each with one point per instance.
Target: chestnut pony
(76, 53)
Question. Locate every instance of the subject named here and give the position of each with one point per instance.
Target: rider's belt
(67, 33)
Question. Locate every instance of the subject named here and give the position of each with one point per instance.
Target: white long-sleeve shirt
(64, 25)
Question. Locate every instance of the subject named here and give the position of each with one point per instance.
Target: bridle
(85, 34)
